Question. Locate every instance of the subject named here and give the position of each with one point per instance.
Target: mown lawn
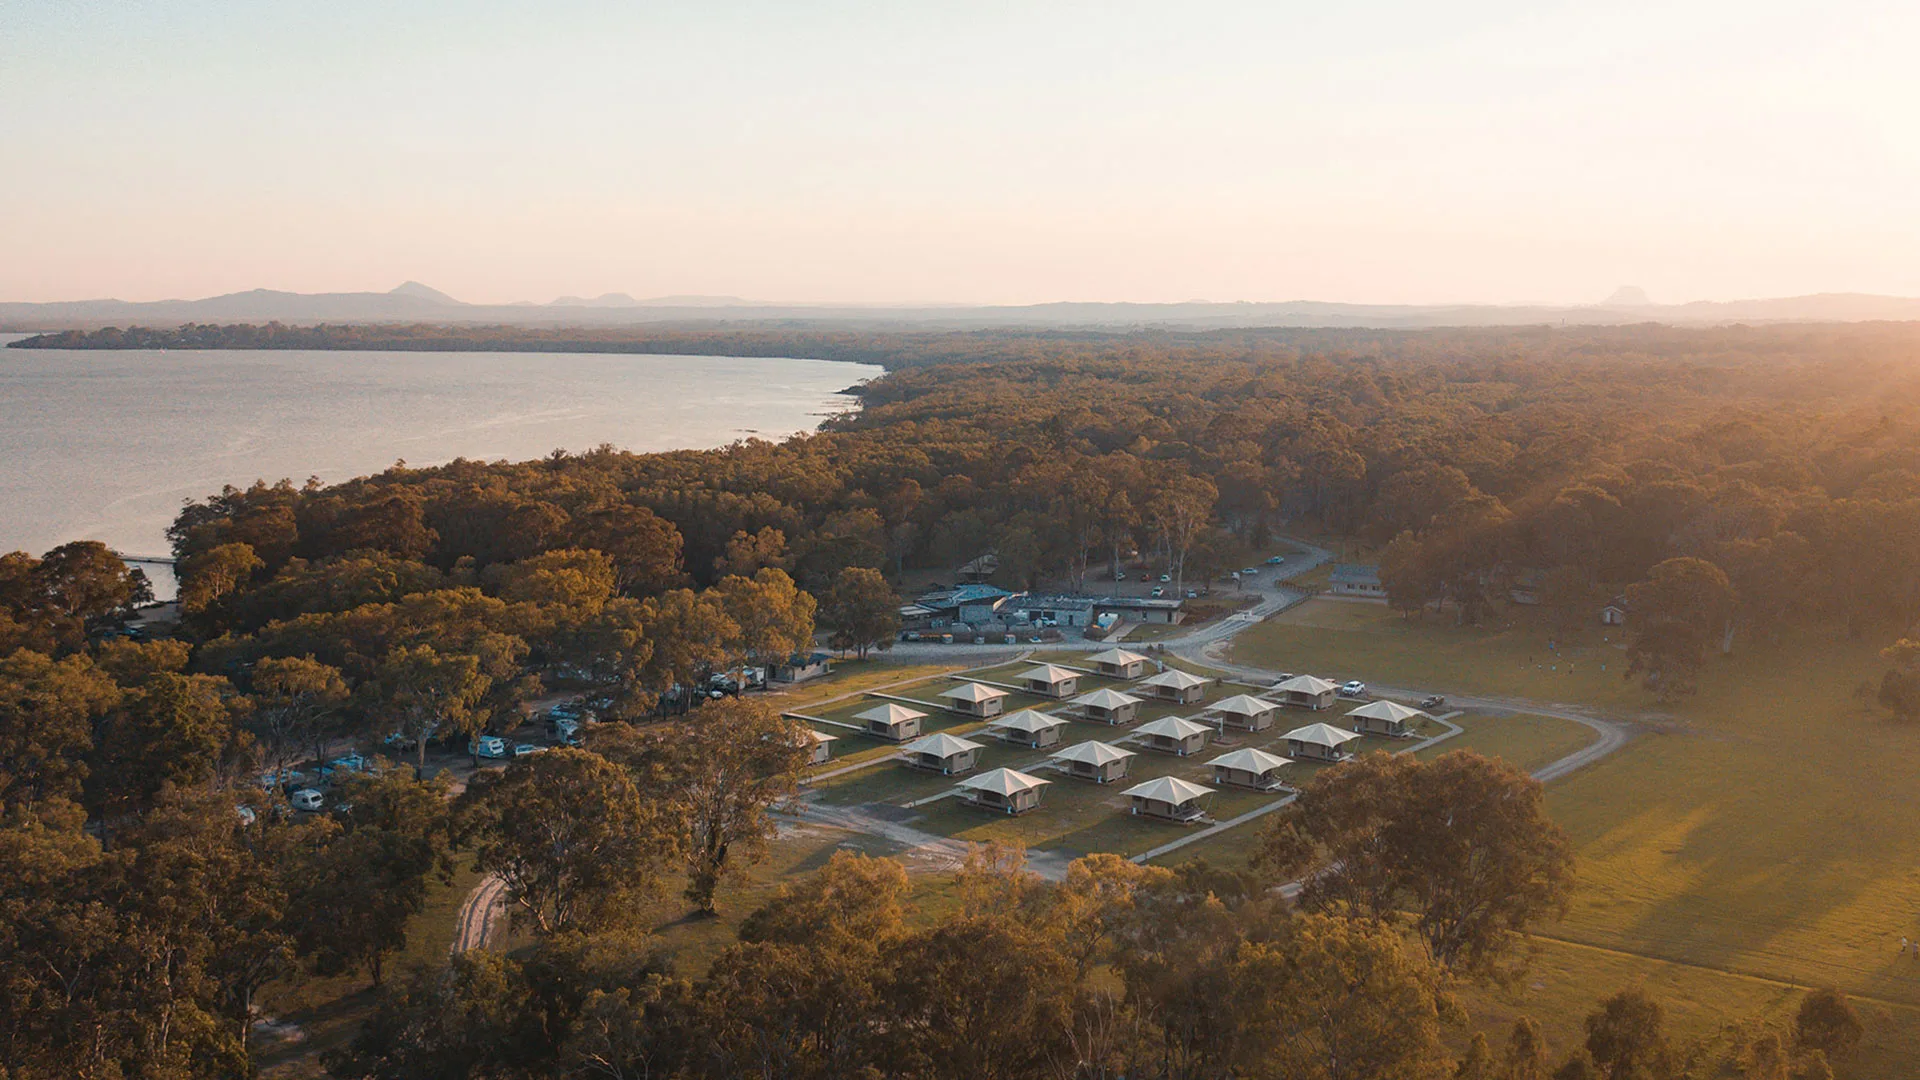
(1766, 827)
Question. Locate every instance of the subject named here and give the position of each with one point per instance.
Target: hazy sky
(983, 152)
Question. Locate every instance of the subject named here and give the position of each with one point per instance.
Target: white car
(1353, 688)
(307, 799)
(525, 749)
(488, 746)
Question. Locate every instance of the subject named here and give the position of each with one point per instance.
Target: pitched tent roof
(941, 745)
(816, 738)
(1168, 789)
(1171, 727)
(1105, 699)
(1306, 684)
(973, 691)
(1254, 761)
(1027, 721)
(1321, 735)
(1116, 656)
(1003, 782)
(890, 714)
(1386, 710)
(1048, 673)
(1241, 705)
(1174, 679)
(1091, 753)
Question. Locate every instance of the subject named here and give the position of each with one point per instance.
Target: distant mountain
(423, 292)
(414, 302)
(1628, 296)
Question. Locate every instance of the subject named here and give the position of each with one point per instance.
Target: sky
(1479, 151)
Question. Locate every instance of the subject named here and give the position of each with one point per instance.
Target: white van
(306, 799)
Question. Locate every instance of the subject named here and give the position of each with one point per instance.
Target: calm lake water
(107, 445)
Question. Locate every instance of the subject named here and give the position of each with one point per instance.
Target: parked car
(1432, 701)
(526, 748)
(1248, 571)
(1164, 578)
(1353, 688)
(909, 635)
(307, 799)
(1276, 560)
(565, 729)
(1157, 592)
(488, 746)
(1193, 594)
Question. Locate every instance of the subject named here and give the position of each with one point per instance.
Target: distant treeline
(903, 348)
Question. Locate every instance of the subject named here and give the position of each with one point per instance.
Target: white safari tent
(1050, 680)
(1306, 692)
(1094, 761)
(1028, 728)
(1172, 735)
(1175, 685)
(1385, 718)
(1244, 712)
(820, 747)
(943, 753)
(975, 699)
(1169, 797)
(1004, 790)
(1319, 742)
(1254, 769)
(895, 723)
(1108, 707)
(1118, 664)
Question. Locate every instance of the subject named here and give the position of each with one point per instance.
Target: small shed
(943, 753)
(821, 747)
(1172, 735)
(1005, 790)
(895, 723)
(975, 699)
(801, 667)
(1306, 692)
(1385, 718)
(1319, 742)
(1028, 728)
(1250, 768)
(1094, 761)
(1118, 664)
(1245, 712)
(1108, 707)
(1171, 798)
(1050, 680)
(1180, 687)
(1615, 613)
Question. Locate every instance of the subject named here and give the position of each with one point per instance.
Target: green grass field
(1768, 827)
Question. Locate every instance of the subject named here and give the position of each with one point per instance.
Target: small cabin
(974, 699)
(1174, 685)
(799, 668)
(1118, 664)
(1388, 718)
(1094, 761)
(1255, 769)
(1050, 680)
(1245, 712)
(946, 754)
(821, 748)
(1306, 692)
(1319, 742)
(1170, 798)
(1172, 735)
(894, 723)
(1003, 790)
(1108, 707)
(1028, 728)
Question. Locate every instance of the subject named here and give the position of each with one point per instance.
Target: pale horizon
(1492, 153)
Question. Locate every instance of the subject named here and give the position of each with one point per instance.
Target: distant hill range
(417, 303)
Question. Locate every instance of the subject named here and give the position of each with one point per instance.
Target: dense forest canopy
(1723, 483)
